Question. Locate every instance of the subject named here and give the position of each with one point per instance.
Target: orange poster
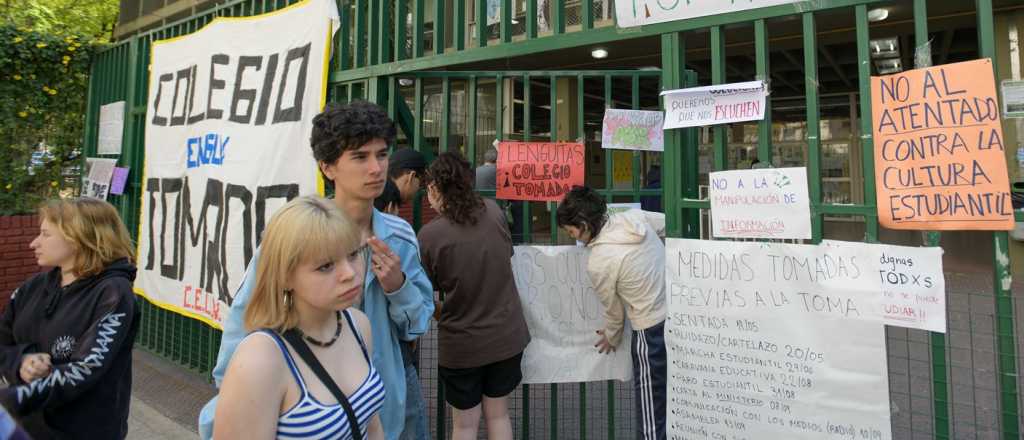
(939, 150)
(540, 171)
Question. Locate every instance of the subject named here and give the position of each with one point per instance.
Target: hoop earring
(288, 298)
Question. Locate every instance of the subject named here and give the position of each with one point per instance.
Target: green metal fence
(465, 112)
(963, 384)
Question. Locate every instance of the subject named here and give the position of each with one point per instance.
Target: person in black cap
(404, 172)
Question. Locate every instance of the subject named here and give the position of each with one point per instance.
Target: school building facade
(455, 76)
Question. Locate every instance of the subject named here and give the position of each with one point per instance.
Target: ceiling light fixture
(885, 48)
(599, 53)
(878, 14)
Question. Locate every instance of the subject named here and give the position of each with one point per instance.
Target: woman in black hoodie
(66, 336)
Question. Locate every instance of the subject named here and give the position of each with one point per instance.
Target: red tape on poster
(539, 171)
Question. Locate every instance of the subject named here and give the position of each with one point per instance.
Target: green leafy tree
(43, 88)
(93, 19)
(46, 48)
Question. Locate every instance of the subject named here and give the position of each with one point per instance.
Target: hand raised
(386, 265)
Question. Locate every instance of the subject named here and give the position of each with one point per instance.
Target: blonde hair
(308, 228)
(93, 228)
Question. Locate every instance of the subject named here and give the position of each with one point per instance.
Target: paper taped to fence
(761, 203)
(633, 130)
(539, 171)
(96, 182)
(563, 314)
(711, 105)
(111, 128)
(771, 341)
(940, 157)
(227, 143)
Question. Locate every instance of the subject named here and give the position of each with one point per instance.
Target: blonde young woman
(66, 336)
(309, 275)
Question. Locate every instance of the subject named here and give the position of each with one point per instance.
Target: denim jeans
(415, 406)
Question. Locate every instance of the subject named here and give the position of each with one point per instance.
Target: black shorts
(464, 387)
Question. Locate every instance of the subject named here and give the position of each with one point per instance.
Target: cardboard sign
(710, 105)
(563, 312)
(228, 118)
(773, 341)
(940, 159)
(539, 171)
(631, 13)
(633, 130)
(761, 203)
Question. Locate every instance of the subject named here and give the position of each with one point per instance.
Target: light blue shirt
(400, 315)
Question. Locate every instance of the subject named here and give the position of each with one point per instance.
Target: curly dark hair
(347, 127)
(583, 208)
(451, 175)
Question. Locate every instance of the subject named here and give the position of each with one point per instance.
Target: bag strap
(295, 340)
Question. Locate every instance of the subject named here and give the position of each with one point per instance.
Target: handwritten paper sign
(1013, 98)
(563, 314)
(939, 153)
(760, 203)
(111, 128)
(117, 181)
(541, 171)
(712, 105)
(633, 130)
(767, 341)
(630, 13)
(910, 286)
(97, 179)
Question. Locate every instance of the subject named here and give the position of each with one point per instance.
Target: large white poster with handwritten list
(774, 341)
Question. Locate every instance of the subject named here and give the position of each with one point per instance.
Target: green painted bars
(368, 62)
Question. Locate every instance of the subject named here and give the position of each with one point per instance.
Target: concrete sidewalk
(146, 423)
(166, 399)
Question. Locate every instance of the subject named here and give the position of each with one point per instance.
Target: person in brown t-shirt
(467, 253)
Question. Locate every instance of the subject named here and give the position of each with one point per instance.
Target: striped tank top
(310, 419)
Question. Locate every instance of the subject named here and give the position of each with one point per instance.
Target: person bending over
(626, 265)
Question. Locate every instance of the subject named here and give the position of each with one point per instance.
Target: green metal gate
(465, 112)
(963, 384)
(924, 403)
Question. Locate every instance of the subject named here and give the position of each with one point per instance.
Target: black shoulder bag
(295, 340)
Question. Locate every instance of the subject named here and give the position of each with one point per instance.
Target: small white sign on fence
(710, 105)
(760, 203)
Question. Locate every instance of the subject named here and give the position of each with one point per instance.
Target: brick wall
(405, 211)
(17, 261)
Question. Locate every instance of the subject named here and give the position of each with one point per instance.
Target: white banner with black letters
(229, 116)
